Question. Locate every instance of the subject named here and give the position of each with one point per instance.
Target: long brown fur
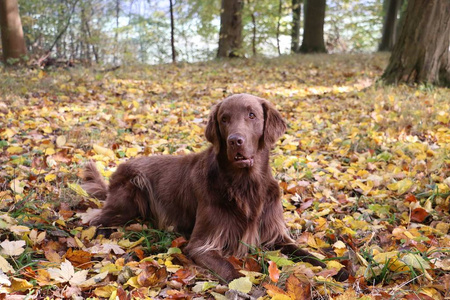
(223, 199)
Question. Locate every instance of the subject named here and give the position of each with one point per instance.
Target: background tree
(13, 41)
(172, 33)
(389, 32)
(421, 54)
(313, 40)
(230, 35)
(295, 31)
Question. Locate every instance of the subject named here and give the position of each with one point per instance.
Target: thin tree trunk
(116, 34)
(230, 36)
(172, 33)
(389, 26)
(295, 34)
(94, 49)
(13, 40)
(280, 7)
(313, 30)
(254, 34)
(421, 54)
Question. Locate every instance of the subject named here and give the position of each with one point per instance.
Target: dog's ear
(212, 131)
(274, 125)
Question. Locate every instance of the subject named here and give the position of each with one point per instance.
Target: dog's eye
(251, 115)
(224, 119)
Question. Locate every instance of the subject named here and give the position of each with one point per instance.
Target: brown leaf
(420, 296)
(298, 290)
(419, 215)
(251, 264)
(183, 275)
(152, 276)
(178, 242)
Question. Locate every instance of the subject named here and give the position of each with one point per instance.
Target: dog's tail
(93, 182)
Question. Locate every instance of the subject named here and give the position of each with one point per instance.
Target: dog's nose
(236, 140)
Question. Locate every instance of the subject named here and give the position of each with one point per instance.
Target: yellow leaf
(105, 291)
(89, 233)
(19, 285)
(131, 152)
(61, 141)
(104, 151)
(242, 284)
(14, 150)
(50, 177)
(77, 189)
(47, 129)
(9, 133)
(49, 151)
(127, 244)
(401, 186)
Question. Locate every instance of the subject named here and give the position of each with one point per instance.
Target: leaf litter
(364, 172)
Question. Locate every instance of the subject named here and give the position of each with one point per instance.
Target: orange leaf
(139, 253)
(274, 273)
(79, 258)
(410, 198)
(419, 215)
(297, 290)
(273, 290)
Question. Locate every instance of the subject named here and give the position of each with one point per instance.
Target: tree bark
(13, 41)
(230, 36)
(253, 34)
(295, 34)
(421, 54)
(280, 10)
(388, 37)
(172, 33)
(313, 30)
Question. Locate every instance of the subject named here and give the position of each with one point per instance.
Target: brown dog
(223, 199)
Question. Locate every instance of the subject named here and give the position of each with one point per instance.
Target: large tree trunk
(295, 34)
(13, 41)
(230, 36)
(390, 25)
(313, 29)
(421, 54)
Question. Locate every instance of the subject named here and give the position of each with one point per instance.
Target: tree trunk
(388, 37)
(172, 33)
(116, 34)
(421, 54)
(13, 40)
(295, 34)
(280, 10)
(230, 36)
(253, 34)
(313, 30)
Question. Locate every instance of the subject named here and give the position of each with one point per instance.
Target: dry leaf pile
(364, 170)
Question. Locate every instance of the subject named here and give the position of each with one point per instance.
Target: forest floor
(364, 171)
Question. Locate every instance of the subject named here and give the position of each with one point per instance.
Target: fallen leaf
(12, 248)
(274, 273)
(242, 284)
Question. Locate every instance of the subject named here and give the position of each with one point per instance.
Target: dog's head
(241, 125)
